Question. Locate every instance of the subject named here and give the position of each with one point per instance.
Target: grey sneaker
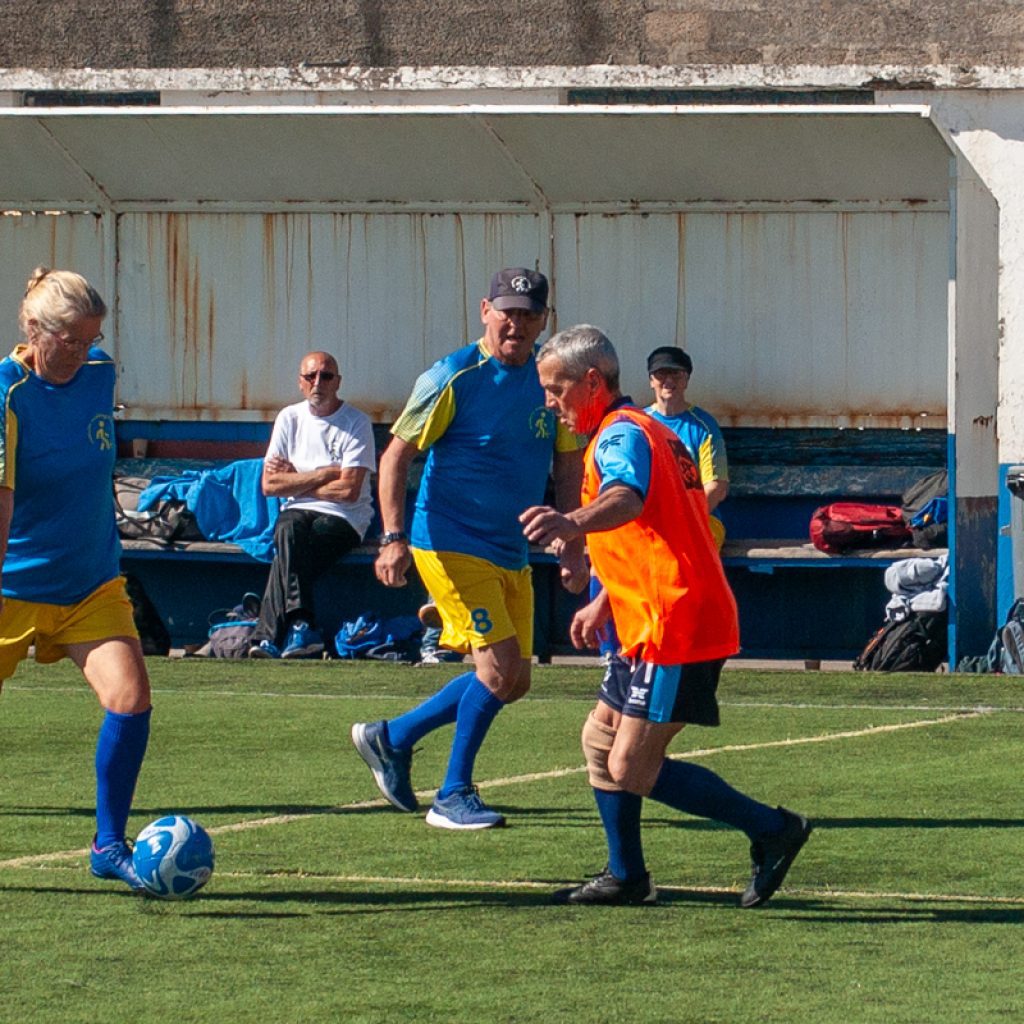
(771, 857)
(391, 767)
(463, 809)
(608, 891)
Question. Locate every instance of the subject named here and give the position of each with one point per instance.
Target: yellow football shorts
(717, 531)
(103, 614)
(480, 603)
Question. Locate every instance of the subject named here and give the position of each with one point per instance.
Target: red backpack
(847, 524)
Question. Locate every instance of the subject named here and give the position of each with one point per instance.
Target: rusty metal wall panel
(216, 310)
(66, 241)
(792, 319)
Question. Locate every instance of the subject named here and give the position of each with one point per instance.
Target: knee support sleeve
(597, 739)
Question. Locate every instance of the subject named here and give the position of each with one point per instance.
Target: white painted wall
(988, 125)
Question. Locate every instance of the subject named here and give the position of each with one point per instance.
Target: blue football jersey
(57, 451)
(490, 441)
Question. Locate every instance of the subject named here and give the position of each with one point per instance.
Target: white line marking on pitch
(530, 699)
(514, 780)
(499, 885)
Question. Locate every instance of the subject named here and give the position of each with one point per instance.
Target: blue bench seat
(789, 608)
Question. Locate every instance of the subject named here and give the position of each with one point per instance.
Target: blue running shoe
(303, 642)
(391, 767)
(115, 861)
(264, 649)
(463, 809)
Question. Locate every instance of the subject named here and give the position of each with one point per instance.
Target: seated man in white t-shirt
(319, 461)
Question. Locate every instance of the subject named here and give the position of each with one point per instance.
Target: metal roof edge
(478, 109)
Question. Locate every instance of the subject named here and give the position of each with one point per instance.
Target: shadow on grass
(260, 810)
(823, 823)
(921, 912)
(541, 817)
(246, 906)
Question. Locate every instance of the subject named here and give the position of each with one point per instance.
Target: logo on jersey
(101, 432)
(542, 421)
(687, 469)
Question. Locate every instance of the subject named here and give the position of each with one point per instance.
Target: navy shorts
(663, 693)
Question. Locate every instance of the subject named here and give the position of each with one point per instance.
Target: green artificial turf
(327, 905)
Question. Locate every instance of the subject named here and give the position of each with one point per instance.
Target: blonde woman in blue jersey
(61, 584)
(480, 415)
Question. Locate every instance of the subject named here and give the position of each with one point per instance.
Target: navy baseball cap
(668, 357)
(519, 288)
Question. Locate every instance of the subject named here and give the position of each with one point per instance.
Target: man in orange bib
(645, 518)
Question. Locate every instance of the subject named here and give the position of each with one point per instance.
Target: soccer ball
(173, 857)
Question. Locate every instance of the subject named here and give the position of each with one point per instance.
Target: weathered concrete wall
(264, 33)
(383, 33)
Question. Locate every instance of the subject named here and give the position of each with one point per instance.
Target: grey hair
(57, 298)
(578, 349)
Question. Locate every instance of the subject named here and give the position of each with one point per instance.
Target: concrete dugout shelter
(826, 266)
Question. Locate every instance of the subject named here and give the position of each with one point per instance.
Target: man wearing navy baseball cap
(481, 416)
(519, 288)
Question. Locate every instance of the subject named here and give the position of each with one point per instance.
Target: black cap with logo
(519, 288)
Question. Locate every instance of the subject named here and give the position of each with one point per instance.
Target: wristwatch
(392, 537)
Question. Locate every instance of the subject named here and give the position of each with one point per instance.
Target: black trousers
(308, 543)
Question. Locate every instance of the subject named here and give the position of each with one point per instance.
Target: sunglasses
(325, 375)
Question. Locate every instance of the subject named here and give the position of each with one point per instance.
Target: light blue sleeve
(623, 456)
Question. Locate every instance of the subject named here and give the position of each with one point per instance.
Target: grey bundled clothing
(916, 585)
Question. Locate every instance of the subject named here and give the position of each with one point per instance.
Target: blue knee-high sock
(477, 710)
(440, 709)
(120, 748)
(696, 790)
(620, 815)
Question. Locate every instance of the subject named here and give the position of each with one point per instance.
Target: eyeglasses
(68, 340)
(325, 375)
(528, 315)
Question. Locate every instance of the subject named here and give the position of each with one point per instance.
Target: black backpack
(925, 510)
(153, 633)
(1006, 652)
(914, 644)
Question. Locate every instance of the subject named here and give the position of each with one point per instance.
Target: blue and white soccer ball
(173, 857)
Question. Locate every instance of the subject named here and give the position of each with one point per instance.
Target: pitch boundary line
(531, 699)
(514, 780)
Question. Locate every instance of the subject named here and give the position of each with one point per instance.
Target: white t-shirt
(309, 442)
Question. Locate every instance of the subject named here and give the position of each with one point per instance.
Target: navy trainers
(303, 642)
(115, 861)
(264, 649)
(771, 857)
(463, 809)
(605, 890)
(391, 767)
